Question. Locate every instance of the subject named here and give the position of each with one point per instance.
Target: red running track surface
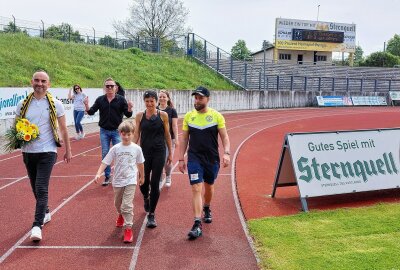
(82, 233)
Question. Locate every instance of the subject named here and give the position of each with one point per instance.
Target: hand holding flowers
(21, 134)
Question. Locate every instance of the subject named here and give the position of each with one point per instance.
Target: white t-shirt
(38, 113)
(78, 101)
(125, 158)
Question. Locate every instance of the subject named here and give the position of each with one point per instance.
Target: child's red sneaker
(120, 221)
(128, 235)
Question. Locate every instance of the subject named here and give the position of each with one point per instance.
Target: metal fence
(175, 45)
(260, 75)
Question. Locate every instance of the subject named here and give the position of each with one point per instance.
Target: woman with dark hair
(152, 129)
(165, 104)
(79, 109)
(120, 89)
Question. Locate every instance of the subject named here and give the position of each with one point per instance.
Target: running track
(82, 234)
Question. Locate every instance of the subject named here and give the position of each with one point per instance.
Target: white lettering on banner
(9, 98)
(330, 163)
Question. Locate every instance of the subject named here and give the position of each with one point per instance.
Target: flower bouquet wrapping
(21, 134)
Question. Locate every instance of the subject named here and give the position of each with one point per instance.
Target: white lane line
(18, 243)
(135, 254)
(21, 178)
(76, 247)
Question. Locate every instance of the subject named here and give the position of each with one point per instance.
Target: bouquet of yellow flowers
(21, 134)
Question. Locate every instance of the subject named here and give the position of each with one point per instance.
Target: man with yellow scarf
(39, 156)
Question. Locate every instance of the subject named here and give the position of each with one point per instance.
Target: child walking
(128, 160)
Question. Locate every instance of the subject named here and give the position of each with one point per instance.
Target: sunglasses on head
(109, 85)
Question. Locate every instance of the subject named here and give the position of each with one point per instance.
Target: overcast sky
(223, 22)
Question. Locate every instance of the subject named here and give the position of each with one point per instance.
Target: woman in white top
(79, 109)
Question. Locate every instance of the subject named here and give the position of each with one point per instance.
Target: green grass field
(88, 65)
(356, 238)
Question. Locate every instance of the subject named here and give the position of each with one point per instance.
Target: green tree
(358, 55)
(154, 18)
(393, 45)
(381, 59)
(266, 44)
(63, 32)
(240, 50)
(12, 28)
(109, 41)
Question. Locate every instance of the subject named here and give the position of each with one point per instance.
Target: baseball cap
(202, 91)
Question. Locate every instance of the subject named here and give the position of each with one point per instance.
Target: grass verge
(356, 238)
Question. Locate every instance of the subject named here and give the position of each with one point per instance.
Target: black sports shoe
(146, 205)
(106, 181)
(196, 231)
(207, 215)
(151, 221)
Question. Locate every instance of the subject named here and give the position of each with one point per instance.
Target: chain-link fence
(175, 45)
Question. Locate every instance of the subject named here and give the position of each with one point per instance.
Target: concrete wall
(232, 100)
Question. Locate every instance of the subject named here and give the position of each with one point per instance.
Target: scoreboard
(317, 35)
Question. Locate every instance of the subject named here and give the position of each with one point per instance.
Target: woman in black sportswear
(152, 128)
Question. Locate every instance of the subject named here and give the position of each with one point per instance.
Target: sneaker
(147, 205)
(128, 235)
(207, 215)
(106, 181)
(82, 135)
(151, 221)
(36, 234)
(47, 218)
(196, 231)
(78, 137)
(162, 181)
(168, 181)
(120, 221)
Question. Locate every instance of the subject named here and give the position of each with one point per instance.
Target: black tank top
(152, 138)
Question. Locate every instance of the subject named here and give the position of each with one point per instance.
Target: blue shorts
(202, 172)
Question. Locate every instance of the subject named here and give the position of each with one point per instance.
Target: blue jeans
(78, 115)
(107, 137)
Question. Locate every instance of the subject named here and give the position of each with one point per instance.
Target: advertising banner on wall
(369, 101)
(328, 163)
(333, 101)
(9, 98)
(394, 95)
(306, 35)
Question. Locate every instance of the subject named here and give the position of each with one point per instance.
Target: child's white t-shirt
(125, 158)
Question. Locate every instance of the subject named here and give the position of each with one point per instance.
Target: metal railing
(175, 45)
(260, 75)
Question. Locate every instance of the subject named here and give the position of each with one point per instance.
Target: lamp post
(318, 13)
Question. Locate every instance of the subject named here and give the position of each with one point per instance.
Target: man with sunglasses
(112, 108)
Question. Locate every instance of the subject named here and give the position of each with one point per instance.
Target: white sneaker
(36, 234)
(78, 137)
(162, 181)
(168, 181)
(82, 135)
(47, 218)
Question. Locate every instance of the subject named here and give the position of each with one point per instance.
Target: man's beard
(199, 107)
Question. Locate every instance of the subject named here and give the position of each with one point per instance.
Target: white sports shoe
(36, 233)
(162, 181)
(168, 181)
(82, 135)
(47, 218)
(78, 137)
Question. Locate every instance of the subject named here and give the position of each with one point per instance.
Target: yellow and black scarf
(53, 114)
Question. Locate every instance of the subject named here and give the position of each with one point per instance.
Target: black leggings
(153, 167)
